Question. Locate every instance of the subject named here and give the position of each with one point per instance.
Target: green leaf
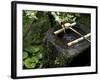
(36, 49)
(29, 63)
(35, 59)
(32, 49)
(25, 55)
(40, 55)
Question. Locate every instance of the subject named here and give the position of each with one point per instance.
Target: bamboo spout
(78, 40)
(67, 25)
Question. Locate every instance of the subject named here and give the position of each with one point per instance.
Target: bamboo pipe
(78, 40)
(79, 34)
(67, 25)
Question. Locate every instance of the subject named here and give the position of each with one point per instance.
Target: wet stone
(61, 55)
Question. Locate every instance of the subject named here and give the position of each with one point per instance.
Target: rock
(59, 54)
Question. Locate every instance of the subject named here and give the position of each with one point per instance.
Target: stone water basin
(75, 55)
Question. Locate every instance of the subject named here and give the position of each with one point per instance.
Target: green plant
(32, 56)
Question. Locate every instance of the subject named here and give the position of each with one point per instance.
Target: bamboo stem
(78, 40)
(78, 33)
(67, 25)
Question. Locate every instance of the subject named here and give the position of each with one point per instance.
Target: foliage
(65, 17)
(34, 29)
